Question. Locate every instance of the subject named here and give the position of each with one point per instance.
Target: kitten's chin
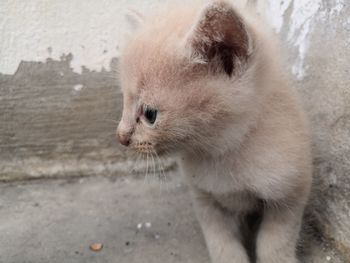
(164, 152)
(167, 151)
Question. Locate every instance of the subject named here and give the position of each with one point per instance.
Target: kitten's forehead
(144, 57)
(156, 49)
(153, 76)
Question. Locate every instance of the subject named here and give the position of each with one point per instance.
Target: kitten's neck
(228, 142)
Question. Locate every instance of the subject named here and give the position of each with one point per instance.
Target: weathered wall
(56, 116)
(326, 93)
(55, 122)
(317, 35)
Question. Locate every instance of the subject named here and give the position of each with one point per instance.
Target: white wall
(33, 30)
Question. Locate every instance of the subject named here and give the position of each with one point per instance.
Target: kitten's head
(184, 81)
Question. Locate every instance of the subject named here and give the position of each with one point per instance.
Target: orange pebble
(96, 247)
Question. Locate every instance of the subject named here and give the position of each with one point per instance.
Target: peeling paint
(338, 6)
(299, 28)
(34, 30)
(274, 12)
(52, 28)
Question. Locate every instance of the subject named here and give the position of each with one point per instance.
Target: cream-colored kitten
(206, 85)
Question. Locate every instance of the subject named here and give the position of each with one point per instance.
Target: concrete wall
(59, 95)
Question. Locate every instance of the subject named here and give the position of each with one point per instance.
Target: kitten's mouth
(149, 148)
(143, 147)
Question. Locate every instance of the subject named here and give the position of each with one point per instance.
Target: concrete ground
(136, 220)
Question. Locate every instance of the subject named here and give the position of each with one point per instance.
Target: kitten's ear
(219, 38)
(134, 19)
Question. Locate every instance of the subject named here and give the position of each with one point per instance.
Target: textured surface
(50, 115)
(326, 93)
(57, 221)
(135, 220)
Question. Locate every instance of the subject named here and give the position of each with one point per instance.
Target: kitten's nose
(123, 138)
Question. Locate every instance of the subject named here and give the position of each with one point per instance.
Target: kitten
(206, 85)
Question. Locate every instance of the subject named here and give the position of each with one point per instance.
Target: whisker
(159, 170)
(141, 160)
(143, 167)
(153, 164)
(136, 162)
(162, 165)
(162, 172)
(146, 177)
(156, 171)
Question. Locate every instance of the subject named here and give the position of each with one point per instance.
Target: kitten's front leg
(220, 231)
(278, 235)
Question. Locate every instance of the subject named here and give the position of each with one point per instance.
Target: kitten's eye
(150, 114)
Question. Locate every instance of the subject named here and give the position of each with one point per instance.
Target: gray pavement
(136, 220)
(56, 221)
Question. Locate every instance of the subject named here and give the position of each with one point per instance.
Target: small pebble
(148, 224)
(328, 258)
(96, 247)
(139, 226)
(156, 237)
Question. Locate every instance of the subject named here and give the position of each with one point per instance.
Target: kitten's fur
(226, 109)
